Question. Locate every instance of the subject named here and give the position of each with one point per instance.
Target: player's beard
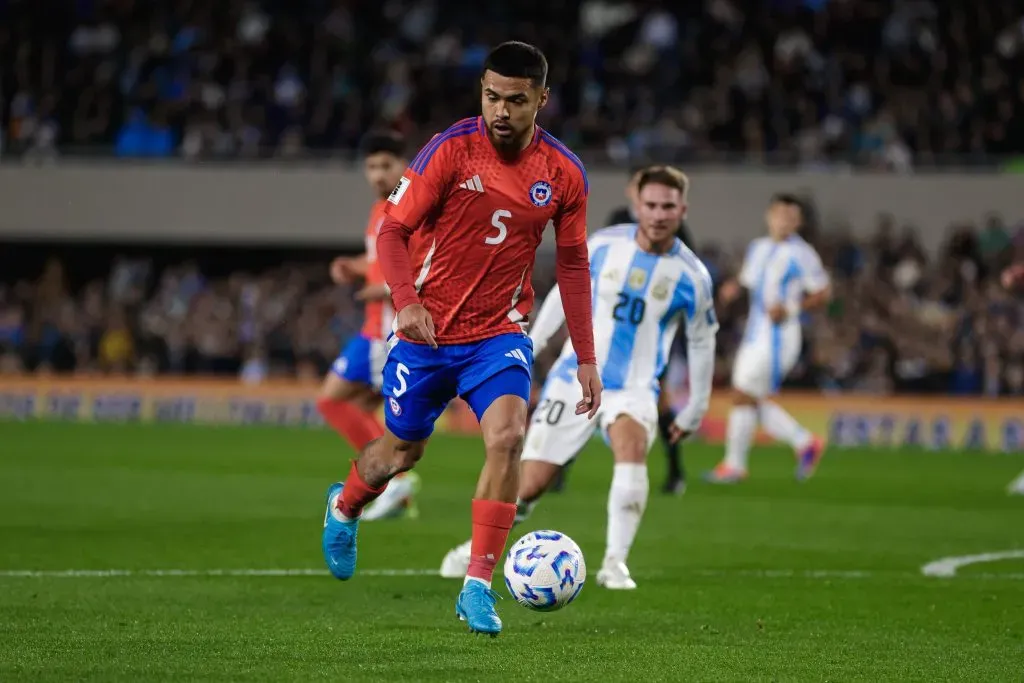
(510, 140)
(660, 236)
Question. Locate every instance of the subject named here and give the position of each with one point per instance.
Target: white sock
(1017, 485)
(478, 580)
(783, 427)
(627, 501)
(739, 435)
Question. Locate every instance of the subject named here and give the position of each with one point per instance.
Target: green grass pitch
(768, 581)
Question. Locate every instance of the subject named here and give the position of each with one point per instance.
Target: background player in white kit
(785, 278)
(645, 281)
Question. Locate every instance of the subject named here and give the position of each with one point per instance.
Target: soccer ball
(545, 571)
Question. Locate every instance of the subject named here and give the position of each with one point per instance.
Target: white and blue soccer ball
(544, 570)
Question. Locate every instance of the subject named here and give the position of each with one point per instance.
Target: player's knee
(367, 401)
(335, 388)
(741, 398)
(632, 452)
(505, 441)
(628, 439)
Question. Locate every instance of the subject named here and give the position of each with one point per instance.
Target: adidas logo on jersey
(472, 184)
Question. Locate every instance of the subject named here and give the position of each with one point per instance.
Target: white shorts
(557, 434)
(762, 364)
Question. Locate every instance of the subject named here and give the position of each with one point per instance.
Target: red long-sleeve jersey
(481, 219)
(379, 314)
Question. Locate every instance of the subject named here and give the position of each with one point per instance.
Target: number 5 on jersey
(502, 228)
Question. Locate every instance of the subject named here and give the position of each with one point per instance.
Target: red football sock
(353, 424)
(357, 494)
(492, 521)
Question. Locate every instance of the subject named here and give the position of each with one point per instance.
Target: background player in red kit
(1013, 278)
(350, 395)
(480, 195)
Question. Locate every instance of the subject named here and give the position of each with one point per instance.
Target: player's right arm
(348, 268)
(730, 290)
(419, 193)
(548, 321)
(746, 274)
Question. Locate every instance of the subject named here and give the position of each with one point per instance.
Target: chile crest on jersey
(540, 193)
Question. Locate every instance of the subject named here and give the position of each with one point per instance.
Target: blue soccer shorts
(362, 361)
(420, 381)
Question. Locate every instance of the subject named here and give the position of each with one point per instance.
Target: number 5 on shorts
(401, 372)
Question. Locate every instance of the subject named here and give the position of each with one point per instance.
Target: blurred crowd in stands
(901, 320)
(884, 83)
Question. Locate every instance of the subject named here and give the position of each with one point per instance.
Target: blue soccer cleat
(475, 606)
(808, 459)
(339, 539)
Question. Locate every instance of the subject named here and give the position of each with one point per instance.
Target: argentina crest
(637, 278)
(660, 289)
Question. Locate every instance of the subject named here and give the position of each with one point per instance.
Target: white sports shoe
(398, 499)
(1016, 487)
(614, 575)
(456, 562)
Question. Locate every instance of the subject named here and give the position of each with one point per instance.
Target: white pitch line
(948, 566)
(790, 573)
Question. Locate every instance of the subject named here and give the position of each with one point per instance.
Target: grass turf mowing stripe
(827, 574)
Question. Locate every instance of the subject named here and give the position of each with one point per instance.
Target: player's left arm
(701, 328)
(572, 270)
(816, 283)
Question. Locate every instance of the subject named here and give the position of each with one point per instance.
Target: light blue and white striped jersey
(779, 273)
(639, 299)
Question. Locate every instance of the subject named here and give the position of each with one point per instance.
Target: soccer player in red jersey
(350, 395)
(1012, 278)
(480, 194)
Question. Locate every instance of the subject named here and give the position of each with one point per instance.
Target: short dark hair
(383, 141)
(669, 176)
(516, 59)
(790, 199)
